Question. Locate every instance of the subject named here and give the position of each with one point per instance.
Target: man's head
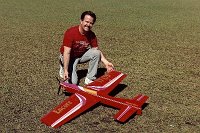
(88, 19)
(90, 13)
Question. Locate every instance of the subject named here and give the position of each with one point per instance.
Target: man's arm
(109, 66)
(66, 58)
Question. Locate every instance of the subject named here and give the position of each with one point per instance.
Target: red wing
(68, 109)
(106, 83)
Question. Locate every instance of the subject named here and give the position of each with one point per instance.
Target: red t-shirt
(78, 43)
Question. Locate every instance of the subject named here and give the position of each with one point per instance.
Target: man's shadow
(83, 72)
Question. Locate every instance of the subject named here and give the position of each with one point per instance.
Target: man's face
(87, 23)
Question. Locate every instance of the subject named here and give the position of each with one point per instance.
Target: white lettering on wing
(82, 100)
(107, 84)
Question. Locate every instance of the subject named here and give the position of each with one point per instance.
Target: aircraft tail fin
(133, 106)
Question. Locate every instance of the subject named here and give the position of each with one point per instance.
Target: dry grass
(157, 43)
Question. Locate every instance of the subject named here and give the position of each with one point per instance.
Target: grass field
(155, 42)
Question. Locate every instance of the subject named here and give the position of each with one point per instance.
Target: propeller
(59, 86)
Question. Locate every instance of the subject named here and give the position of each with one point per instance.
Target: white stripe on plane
(139, 98)
(123, 113)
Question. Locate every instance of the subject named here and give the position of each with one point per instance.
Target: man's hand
(66, 75)
(109, 67)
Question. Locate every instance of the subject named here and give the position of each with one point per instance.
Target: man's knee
(96, 53)
(74, 81)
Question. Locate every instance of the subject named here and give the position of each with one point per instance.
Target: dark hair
(88, 13)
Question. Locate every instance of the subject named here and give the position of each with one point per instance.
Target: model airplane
(83, 98)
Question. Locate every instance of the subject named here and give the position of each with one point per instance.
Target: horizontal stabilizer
(139, 100)
(133, 106)
(125, 113)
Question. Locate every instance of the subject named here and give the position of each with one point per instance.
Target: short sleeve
(67, 40)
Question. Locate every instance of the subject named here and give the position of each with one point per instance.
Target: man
(80, 46)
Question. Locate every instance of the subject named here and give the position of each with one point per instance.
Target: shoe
(61, 72)
(88, 81)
